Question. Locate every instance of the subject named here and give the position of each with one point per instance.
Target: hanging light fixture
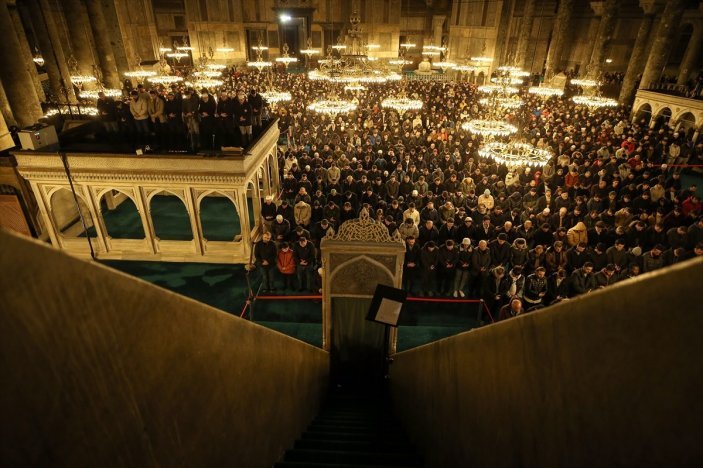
(207, 74)
(259, 63)
(595, 101)
(38, 59)
(275, 97)
(225, 49)
(354, 87)
(498, 89)
(584, 83)
(444, 64)
(216, 66)
(494, 128)
(92, 94)
(546, 91)
(332, 106)
(75, 76)
(285, 58)
(515, 154)
(402, 104)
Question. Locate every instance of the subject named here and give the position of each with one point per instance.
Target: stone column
(5, 109)
(637, 57)
(6, 140)
(693, 52)
(523, 41)
(559, 35)
(607, 11)
(16, 80)
(503, 32)
(80, 32)
(106, 56)
(50, 45)
(437, 28)
(27, 54)
(663, 42)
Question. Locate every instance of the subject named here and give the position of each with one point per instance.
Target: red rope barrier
(437, 299)
(488, 311)
(288, 298)
(246, 306)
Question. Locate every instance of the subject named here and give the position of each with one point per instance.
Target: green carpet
(170, 217)
(219, 219)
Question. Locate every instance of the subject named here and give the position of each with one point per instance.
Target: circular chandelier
(444, 64)
(373, 46)
(164, 79)
(430, 52)
(402, 104)
(163, 50)
(225, 50)
(514, 71)
(184, 48)
(545, 91)
(92, 94)
(259, 48)
(503, 102)
(216, 66)
(595, 101)
(207, 74)
(140, 74)
(584, 83)
(259, 64)
(465, 68)
(309, 52)
(498, 89)
(332, 106)
(38, 59)
(489, 127)
(515, 154)
(408, 45)
(285, 58)
(276, 96)
(177, 55)
(82, 79)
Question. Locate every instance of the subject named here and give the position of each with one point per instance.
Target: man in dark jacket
(446, 262)
(257, 107)
(582, 280)
(304, 253)
(536, 287)
(243, 118)
(500, 250)
(411, 263)
(480, 267)
(428, 267)
(206, 111)
(265, 254)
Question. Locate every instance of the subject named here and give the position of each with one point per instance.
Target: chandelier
(373, 46)
(80, 80)
(545, 91)
(216, 66)
(275, 97)
(399, 61)
(332, 106)
(402, 104)
(204, 83)
(285, 58)
(489, 127)
(351, 65)
(163, 50)
(259, 63)
(465, 68)
(502, 102)
(514, 71)
(92, 94)
(225, 49)
(37, 58)
(515, 154)
(207, 74)
(164, 79)
(69, 109)
(585, 83)
(177, 55)
(507, 80)
(595, 101)
(444, 64)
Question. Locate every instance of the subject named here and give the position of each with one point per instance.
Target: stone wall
(101, 369)
(613, 378)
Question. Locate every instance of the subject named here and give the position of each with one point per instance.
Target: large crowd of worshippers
(610, 204)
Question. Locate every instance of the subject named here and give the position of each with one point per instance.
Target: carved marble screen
(359, 257)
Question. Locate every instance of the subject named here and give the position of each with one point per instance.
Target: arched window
(219, 218)
(121, 217)
(170, 217)
(67, 216)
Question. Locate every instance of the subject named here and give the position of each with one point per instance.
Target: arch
(644, 112)
(662, 116)
(66, 215)
(359, 275)
(686, 120)
(123, 221)
(156, 192)
(219, 218)
(170, 217)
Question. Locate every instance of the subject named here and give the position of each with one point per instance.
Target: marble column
(503, 33)
(106, 56)
(5, 137)
(637, 57)
(523, 40)
(5, 109)
(27, 54)
(559, 37)
(80, 35)
(663, 42)
(693, 51)
(607, 10)
(16, 80)
(50, 46)
(437, 29)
